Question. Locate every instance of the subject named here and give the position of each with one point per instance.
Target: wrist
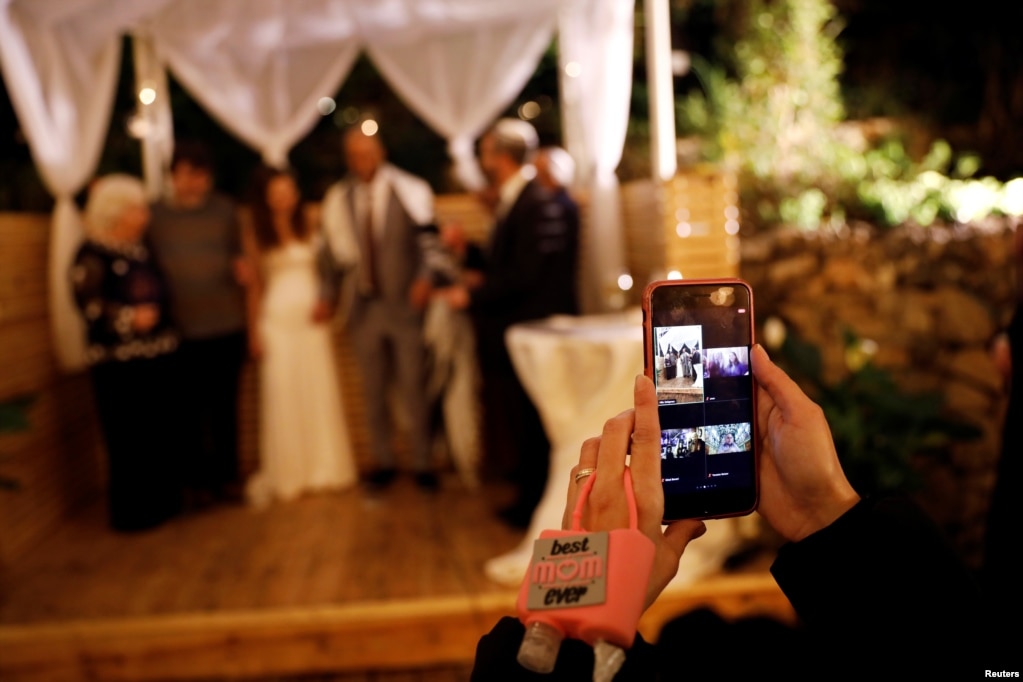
(822, 516)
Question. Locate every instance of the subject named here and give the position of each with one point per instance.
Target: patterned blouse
(109, 281)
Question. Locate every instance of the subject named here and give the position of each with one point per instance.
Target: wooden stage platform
(348, 586)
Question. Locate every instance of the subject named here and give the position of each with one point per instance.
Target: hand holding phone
(697, 339)
(634, 431)
(803, 486)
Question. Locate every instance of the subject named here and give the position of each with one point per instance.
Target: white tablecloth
(579, 372)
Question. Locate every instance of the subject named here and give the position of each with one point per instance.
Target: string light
(369, 127)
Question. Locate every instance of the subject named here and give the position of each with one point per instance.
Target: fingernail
(758, 349)
(639, 382)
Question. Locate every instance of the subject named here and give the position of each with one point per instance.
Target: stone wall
(932, 300)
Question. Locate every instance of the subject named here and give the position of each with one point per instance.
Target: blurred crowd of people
(177, 294)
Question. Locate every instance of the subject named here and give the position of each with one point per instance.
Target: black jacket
(530, 267)
(878, 593)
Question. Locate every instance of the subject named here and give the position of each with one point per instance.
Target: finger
(646, 449)
(783, 390)
(676, 537)
(587, 460)
(680, 533)
(614, 444)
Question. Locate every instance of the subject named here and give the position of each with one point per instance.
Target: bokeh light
(326, 106)
(369, 127)
(529, 110)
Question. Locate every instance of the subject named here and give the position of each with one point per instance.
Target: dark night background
(950, 71)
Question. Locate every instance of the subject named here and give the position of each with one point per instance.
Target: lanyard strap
(584, 494)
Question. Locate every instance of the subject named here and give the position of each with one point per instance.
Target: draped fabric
(260, 66)
(595, 55)
(459, 81)
(60, 67)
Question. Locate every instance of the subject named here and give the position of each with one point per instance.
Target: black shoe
(428, 481)
(382, 478)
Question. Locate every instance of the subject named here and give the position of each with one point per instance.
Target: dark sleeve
(105, 317)
(497, 651)
(1003, 561)
(542, 248)
(883, 582)
(474, 258)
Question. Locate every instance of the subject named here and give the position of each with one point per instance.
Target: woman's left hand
(607, 507)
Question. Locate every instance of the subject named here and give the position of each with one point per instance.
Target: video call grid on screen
(685, 371)
(700, 387)
(705, 395)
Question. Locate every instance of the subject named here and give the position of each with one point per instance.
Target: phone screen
(700, 336)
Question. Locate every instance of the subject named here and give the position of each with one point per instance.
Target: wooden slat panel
(58, 462)
(700, 197)
(28, 363)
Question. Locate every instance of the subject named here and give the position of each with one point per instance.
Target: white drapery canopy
(259, 67)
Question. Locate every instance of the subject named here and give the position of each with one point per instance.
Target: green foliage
(893, 190)
(774, 121)
(878, 428)
(774, 113)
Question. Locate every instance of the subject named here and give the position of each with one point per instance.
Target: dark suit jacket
(530, 268)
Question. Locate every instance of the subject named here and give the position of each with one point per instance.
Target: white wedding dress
(304, 442)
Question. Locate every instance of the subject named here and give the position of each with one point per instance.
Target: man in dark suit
(371, 223)
(529, 271)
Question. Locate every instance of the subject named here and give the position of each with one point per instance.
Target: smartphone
(697, 340)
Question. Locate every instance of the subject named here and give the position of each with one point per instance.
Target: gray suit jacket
(398, 255)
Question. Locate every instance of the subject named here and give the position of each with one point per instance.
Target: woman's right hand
(802, 486)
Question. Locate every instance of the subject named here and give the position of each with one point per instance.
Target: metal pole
(657, 28)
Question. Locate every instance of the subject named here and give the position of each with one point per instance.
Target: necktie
(369, 270)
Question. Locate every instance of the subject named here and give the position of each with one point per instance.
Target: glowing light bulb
(369, 127)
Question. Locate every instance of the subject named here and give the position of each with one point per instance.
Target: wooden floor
(349, 586)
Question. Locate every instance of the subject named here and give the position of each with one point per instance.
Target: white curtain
(460, 81)
(259, 67)
(595, 56)
(60, 64)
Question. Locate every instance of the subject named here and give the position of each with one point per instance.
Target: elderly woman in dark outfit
(130, 342)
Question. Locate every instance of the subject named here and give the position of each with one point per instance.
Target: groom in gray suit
(371, 222)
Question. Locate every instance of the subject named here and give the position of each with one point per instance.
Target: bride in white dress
(303, 437)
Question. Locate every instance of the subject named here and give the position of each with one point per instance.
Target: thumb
(680, 533)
